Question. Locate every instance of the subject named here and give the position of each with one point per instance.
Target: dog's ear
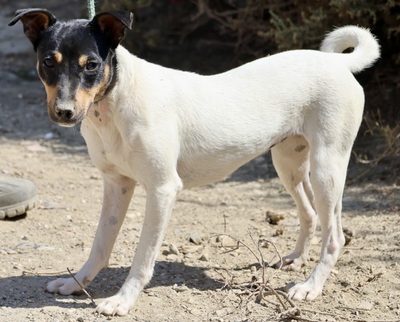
(112, 25)
(35, 21)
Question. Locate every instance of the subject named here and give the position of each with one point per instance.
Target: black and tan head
(75, 59)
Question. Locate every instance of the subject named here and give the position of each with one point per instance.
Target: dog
(168, 130)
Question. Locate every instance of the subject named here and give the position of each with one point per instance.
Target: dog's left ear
(35, 20)
(113, 25)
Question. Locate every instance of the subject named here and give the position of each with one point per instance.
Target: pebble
(348, 236)
(204, 257)
(194, 238)
(172, 257)
(227, 241)
(180, 288)
(273, 218)
(173, 249)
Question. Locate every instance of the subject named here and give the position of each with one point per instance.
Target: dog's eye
(91, 66)
(48, 62)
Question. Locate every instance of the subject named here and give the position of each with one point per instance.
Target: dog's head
(75, 59)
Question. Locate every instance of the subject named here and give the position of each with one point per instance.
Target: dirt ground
(200, 274)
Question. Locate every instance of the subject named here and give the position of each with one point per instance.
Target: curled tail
(366, 48)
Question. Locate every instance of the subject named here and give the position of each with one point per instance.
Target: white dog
(168, 130)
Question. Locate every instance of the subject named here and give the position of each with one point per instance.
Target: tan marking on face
(83, 60)
(51, 92)
(85, 97)
(58, 57)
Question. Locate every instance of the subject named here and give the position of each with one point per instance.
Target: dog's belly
(201, 174)
(197, 170)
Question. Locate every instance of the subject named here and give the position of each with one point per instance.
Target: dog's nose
(64, 111)
(64, 114)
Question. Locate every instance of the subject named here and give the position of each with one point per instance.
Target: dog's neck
(122, 83)
(118, 94)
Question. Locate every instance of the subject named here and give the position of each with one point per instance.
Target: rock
(348, 236)
(194, 238)
(204, 257)
(172, 257)
(180, 288)
(173, 249)
(227, 241)
(273, 218)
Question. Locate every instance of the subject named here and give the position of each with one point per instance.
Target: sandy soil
(200, 274)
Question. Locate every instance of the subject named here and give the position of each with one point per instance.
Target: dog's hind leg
(118, 192)
(291, 161)
(328, 163)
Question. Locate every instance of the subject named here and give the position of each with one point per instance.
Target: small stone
(172, 257)
(227, 241)
(173, 249)
(273, 218)
(194, 238)
(348, 236)
(180, 288)
(204, 257)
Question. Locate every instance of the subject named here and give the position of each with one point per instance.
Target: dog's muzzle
(65, 114)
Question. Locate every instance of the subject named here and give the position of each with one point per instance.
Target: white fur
(168, 130)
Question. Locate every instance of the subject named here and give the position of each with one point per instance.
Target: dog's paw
(115, 305)
(64, 286)
(305, 291)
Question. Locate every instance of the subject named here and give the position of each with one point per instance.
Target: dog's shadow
(27, 290)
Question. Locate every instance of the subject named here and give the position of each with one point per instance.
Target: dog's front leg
(159, 204)
(117, 195)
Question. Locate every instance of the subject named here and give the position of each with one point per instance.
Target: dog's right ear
(112, 25)
(35, 21)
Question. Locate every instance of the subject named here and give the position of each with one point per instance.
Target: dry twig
(83, 289)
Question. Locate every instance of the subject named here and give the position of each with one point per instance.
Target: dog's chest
(107, 147)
